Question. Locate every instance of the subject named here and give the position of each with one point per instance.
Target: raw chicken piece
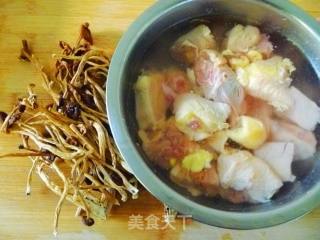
(205, 182)
(232, 93)
(208, 70)
(217, 80)
(264, 184)
(279, 156)
(166, 144)
(176, 82)
(269, 80)
(248, 132)
(240, 170)
(304, 141)
(303, 112)
(187, 48)
(264, 47)
(150, 100)
(198, 117)
(258, 109)
(242, 39)
(236, 170)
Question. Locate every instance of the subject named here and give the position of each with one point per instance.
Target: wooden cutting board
(44, 23)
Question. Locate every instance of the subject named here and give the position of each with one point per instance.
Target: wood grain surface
(44, 23)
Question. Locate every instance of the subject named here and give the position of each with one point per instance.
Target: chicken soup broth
(225, 109)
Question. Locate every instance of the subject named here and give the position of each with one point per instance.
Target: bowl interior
(303, 49)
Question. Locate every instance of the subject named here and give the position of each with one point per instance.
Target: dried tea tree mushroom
(68, 140)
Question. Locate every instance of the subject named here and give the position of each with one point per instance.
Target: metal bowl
(294, 199)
